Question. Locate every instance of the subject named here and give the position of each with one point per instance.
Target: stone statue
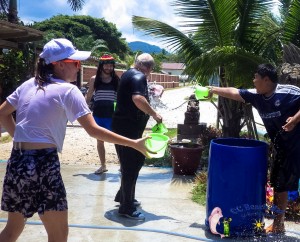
(192, 115)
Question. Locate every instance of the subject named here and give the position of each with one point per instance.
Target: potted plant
(185, 157)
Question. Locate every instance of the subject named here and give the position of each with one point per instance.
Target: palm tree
(5, 4)
(229, 38)
(290, 21)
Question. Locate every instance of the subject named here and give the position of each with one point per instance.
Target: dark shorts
(33, 183)
(103, 122)
(283, 177)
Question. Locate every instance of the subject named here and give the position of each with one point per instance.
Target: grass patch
(171, 133)
(199, 190)
(5, 139)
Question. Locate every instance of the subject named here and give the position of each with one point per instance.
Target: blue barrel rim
(231, 141)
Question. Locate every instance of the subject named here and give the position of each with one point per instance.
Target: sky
(118, 12)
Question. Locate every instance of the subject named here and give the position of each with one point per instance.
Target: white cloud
(119, 12)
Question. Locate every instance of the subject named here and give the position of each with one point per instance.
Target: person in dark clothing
(130, 119)
(103, 90)
(278, 106)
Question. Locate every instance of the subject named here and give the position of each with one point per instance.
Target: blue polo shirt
(274, 111)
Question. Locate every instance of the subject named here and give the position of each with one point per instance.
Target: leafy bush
(206, 137)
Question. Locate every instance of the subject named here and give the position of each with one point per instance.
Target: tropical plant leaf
(291, 24)
(76, 4)
(172, 37)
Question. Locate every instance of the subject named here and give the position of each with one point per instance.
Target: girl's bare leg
(14, 227)
(56, 225)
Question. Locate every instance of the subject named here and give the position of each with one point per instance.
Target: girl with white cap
(43, 105)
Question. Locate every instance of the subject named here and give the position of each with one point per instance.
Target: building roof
(13, 34)
(173, 66)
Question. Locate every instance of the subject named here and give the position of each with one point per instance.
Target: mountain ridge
(144, 47)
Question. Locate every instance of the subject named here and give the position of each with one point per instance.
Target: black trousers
(131, 161)
(130, 168)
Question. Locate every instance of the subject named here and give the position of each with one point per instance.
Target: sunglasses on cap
(77, 62)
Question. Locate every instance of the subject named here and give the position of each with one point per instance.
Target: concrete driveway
(166, 203)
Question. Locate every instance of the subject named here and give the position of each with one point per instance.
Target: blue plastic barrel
(236, 195)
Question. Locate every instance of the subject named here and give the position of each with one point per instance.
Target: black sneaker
(135, 215)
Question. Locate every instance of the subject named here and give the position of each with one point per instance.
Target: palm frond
(100, 44)
(268, 43)
(236, 61)
(284, 8)
(172, 37)
(215, 19)
(291, 24)
(251, 13)
(76, 4)
(4, 6)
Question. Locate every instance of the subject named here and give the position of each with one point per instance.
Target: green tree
(75, 5)
(229, 38)
(85, 31)
(23, 59)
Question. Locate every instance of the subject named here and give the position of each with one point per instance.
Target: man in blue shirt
(278, 106)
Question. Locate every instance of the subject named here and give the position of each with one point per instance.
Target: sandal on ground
(271, 230)
(101, 170)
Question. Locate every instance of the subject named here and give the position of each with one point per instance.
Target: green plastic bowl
(158, 144)
(159, 128)
(201, 92)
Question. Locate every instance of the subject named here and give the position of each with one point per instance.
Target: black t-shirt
(132, 82)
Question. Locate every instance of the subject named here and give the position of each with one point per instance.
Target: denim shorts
(33, 183)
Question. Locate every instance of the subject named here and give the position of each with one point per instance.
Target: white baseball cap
(59, 49)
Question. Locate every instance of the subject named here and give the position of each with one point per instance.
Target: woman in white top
(43, 106)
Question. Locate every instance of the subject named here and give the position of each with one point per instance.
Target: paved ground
(170, 213)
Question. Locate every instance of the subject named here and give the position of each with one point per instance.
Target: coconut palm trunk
(230, 111)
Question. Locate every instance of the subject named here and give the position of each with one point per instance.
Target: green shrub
(199, 190)
(206, 137)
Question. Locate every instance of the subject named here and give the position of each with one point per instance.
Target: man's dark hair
(267, 70)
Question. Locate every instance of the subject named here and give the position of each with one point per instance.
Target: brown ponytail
(43, 73)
